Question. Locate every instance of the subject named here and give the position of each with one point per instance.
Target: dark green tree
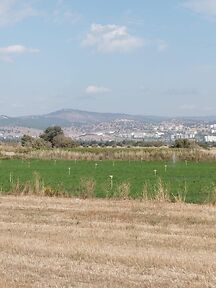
(50, 133)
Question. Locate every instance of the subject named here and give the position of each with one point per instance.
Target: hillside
(69, 117)
(78, 118)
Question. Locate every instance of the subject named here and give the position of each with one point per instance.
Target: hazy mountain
(69, 117)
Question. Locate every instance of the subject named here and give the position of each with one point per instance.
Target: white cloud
(13, 11)
(94, 89)
(204, 7)
(111, 38)
(7, 53)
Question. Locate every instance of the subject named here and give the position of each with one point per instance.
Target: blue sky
(131, 56)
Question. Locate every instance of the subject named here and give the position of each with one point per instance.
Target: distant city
(102, 127)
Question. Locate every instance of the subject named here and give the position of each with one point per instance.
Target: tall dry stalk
(145, 193)
(34, 187)
(180, 197)
(87, 188)
(123, 190)
(162, 194)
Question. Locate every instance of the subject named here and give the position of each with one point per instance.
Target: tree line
(53, 137)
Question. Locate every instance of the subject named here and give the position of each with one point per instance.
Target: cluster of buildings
(124, 129)
(165, 131)
(14, 133)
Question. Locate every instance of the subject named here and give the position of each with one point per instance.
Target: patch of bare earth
(46, 242)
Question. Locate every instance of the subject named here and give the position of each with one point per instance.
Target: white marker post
(69, 171)
(111, 181)
(10, 177)
(165, 167)
(155, 172)
(96, 164)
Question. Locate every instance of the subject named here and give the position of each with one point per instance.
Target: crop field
(193, 181)
(58, 242)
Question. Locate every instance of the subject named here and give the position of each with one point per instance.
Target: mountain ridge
(69, 117)
(74, 117)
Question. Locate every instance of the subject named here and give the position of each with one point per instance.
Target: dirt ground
(46, 242)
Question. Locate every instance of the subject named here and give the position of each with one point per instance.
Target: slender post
(111, 181)
(10, 177)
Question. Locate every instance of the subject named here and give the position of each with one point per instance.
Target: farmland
(192, 180)
(57, 242)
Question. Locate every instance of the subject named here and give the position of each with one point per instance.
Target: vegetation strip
(174, 180)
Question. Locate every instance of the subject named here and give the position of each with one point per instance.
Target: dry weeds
(133, 153)
(53, 242)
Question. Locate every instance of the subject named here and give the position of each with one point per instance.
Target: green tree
(50, 133)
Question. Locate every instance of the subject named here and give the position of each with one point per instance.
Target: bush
(183, 143)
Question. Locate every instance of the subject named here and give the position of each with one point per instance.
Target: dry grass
(123, 191)
(133, 153)
(53, 242)
(87, 188)
(161, 192)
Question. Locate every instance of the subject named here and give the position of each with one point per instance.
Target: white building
(210, 138)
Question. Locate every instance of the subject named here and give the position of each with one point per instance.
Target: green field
(195, 179)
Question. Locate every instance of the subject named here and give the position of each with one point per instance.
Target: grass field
(196, 180)
(54, 242)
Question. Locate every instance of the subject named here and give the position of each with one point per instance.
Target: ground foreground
(46, 242)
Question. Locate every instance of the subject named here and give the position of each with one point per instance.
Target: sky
(148, 57)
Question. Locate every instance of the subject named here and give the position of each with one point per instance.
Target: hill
(69, 117)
